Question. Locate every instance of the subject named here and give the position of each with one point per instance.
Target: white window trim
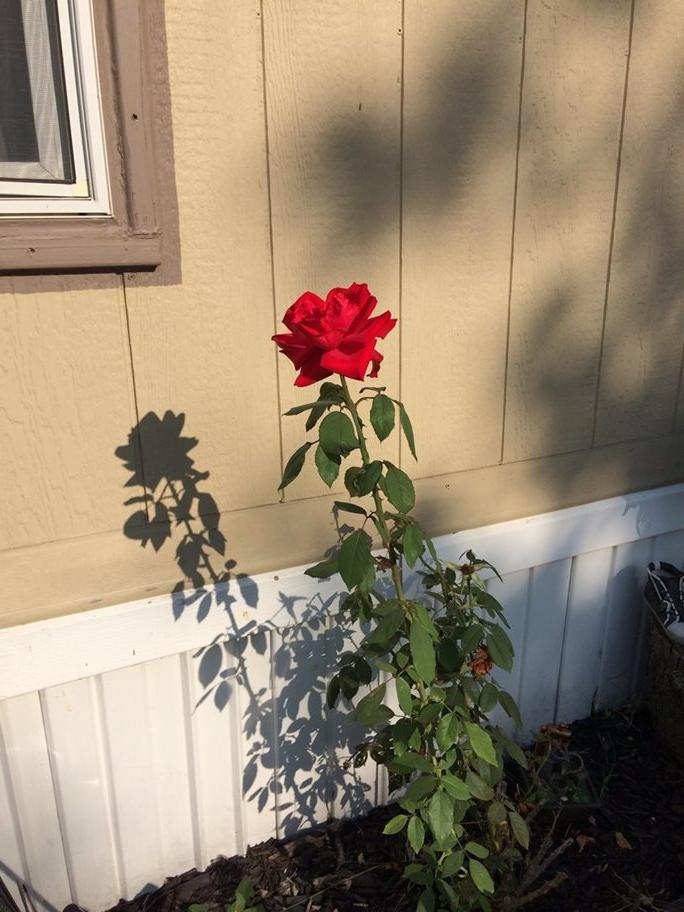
(89, 194)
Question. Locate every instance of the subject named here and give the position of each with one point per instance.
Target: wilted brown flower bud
(481, 663)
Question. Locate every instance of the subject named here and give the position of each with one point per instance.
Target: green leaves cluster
(337, 438)
(420, 679)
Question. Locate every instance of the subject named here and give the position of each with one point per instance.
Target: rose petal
(312, 370)
(381, 325)
(350, 359)
(376, 361)
(305, 313)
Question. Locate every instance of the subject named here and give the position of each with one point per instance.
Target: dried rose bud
(481, 663)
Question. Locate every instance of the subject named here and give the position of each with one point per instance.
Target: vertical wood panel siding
(462, 75)
(334, 111)
(113, 781)
(642, 348)
(570, 127)
(203, 347)
(65, 394)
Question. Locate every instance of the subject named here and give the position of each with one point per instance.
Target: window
(76, 135)
(52, 158)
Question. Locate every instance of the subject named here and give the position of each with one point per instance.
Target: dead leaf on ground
(622, 841)
(583, 840)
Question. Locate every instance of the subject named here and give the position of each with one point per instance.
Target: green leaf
(355, 558)
(452, 863)
(294, 466)
(390, 621)
(332, 692)
(328, 468)
(370, 711)
(481, 743)
(404, 696)
(314, 416)
(520, 830)
(489, 697)
(481, 876)
(471, 639)
(474, 848)
(412, 541)
(510, 707)
(336, 435)
(426, 901)
(429, 713)
(395, 825)
(412, 760)
(420, 788)
(423, 616)
(417, 873)
(298, 409)
(500, 648)
(456, 787)
(416, 834)
(332, 391)
(496, 813)
(489, 603)
(245, 889)
(349, 507)
(443, 733)
(364, 672)
(478, 786)
(407, 429)
(441, 815)
(382, 416)
(325, 569)
(449, 655)
(514, 750)
(348, 683)
(399, 488)
(360, 480)
(423, 651)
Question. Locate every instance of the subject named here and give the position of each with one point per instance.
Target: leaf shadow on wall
(276, 673)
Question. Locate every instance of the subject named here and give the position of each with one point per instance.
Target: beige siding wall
(506, 176)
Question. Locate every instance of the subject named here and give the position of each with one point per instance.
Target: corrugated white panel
(621, 651)
(585, 621)
(13, 869)
(513, 594)
(33, 799)
(112, 782)
(258, 739)
(79, 764)
(540, 657)
(302, 742)
(353, 791)
(215, 747)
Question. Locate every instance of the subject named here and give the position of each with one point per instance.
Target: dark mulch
(641, 795)
(627, 855)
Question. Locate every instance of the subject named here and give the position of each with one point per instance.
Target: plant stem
(377, 498)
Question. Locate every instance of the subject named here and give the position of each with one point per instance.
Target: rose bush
(429, 656)
(335, 336)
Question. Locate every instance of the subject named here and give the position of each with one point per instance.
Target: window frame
(129, 236)
(89, 192)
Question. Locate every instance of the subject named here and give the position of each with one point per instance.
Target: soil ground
(627, 854)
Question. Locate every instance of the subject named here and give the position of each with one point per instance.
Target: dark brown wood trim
(131, 238)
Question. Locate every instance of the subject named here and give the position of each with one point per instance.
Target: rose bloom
(481, 663)
(335, 336)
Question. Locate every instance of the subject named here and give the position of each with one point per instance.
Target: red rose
(335, 336)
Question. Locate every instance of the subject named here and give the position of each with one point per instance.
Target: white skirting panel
(136, 743)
